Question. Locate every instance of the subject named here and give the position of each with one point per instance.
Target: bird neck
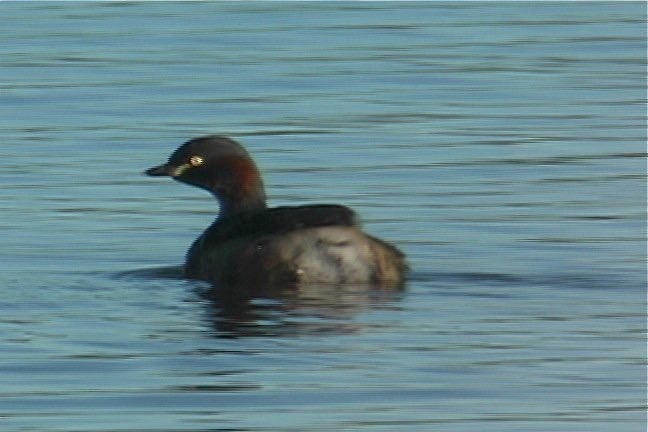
(250, 202)
(238, 186)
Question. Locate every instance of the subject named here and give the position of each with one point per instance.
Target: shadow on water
(167, 272)
(286, 310)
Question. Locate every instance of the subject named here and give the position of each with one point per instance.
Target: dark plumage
(250, 244)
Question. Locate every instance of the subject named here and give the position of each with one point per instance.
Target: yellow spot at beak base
(177, 172)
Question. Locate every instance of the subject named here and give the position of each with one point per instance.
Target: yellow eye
(196, 161)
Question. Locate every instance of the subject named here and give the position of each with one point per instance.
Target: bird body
(249, 244)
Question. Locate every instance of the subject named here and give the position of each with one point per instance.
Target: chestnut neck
(239, 189)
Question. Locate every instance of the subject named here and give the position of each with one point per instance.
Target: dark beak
(160, 170)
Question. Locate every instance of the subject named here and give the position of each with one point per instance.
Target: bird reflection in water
(286, 310)
(313, 309)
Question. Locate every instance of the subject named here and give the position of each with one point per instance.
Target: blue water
(501, 145)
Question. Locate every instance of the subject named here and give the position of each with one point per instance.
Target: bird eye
(196, 161)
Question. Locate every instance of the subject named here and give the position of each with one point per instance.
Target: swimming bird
(249, 243)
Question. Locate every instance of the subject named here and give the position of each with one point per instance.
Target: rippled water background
(500, 145)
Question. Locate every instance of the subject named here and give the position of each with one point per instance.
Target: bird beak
(160, 170)
(167, 170)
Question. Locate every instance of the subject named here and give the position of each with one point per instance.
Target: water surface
(500, 145)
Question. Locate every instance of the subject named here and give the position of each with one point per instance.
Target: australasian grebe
(251, 244)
